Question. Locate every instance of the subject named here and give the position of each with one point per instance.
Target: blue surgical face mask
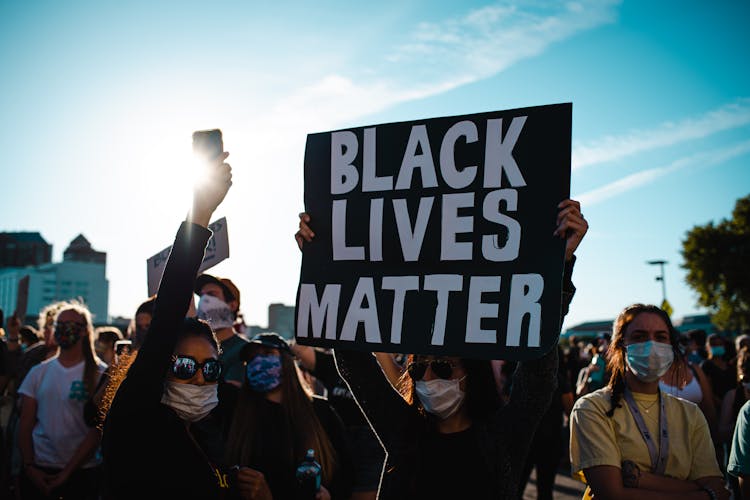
(649, 360)
(263, 372)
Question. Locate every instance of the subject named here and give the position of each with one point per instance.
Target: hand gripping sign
(436, 236)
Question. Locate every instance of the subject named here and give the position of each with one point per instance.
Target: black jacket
(147, 450)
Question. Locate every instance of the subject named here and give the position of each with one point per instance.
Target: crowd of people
(183, 405)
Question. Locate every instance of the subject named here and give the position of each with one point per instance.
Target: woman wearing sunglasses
(56, 443)
(160, 438)
(276, 420)
(448, 436)
(633, 440)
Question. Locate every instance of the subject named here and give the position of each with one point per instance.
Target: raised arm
(535, 381)
(383, 407)
(381, 404)
(176, 287)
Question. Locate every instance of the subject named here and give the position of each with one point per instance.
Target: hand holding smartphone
(208, 144)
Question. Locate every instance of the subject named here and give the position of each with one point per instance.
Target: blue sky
(98, 101)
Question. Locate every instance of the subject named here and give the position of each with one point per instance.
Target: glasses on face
(185, 368)
(440, 367)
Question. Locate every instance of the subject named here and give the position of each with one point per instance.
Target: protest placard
(22, 298)
(216, 251)
(436, 236)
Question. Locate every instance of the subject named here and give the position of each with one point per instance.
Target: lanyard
(658, 459)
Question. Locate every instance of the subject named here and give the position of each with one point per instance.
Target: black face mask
(68, 333)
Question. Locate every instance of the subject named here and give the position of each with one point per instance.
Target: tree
(717, 258)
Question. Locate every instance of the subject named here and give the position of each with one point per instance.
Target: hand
(210, 191)
(570, 225)
(252, 484)
(716, 484)
(39, 478)
(304, 234)
(322, 494)
(56, 480)
(14, 326)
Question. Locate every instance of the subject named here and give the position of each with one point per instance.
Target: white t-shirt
(60, 396)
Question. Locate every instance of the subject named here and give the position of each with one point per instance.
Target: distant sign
(436, 236)
(22, 298)
(216, 251)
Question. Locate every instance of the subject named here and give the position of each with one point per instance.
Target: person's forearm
(391, 369)
(568, 289)
(172, 301)
(745, 487)
(199, 215)
(306, 355)
(654, 482)
(25, 443)
(84, 451)
(381, 404)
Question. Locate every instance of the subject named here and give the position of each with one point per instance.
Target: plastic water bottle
(308, 476)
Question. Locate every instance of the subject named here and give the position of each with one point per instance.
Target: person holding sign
(449, 436)
(160, 439)
(633, 440)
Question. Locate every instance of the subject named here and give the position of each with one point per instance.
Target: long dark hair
(616, 363)
(482, 399)
(300, 426)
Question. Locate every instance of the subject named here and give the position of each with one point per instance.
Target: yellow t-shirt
(596, 439)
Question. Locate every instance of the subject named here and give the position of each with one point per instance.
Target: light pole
(660, 263)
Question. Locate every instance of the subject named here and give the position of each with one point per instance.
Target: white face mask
(440, 397)
(649, 360)
(191, 402)
(215, 312)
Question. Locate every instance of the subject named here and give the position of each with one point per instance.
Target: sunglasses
(185, 368)
(440, 367)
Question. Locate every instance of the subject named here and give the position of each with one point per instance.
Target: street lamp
(661, 263)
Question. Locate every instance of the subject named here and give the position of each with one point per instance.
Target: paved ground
(566, 488)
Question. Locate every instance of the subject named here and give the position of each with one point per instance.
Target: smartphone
(208, 144)
(123, 346)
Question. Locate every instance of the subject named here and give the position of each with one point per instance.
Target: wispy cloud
(630, 182)
(488, 40)
(441, 56)
(610, 148)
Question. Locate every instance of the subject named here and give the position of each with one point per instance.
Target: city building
(24, 249)
(588, 330)
(695, 322)
(81, 275)
(280, 320)
(80, 250)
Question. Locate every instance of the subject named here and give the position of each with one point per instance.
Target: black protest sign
(436, 236)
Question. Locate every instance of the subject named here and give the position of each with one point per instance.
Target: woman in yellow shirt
(631, 440)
